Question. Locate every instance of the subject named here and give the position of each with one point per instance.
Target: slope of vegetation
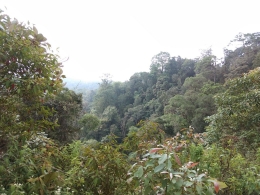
(189, 126)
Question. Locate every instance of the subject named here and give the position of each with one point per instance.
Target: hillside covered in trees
(188, 126)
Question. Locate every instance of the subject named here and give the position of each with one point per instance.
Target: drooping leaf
(216, 186)
(154, 150)
(169, 164)
(191, 164)
(177, 159)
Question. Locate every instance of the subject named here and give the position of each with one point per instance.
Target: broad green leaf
(191, 173)
(199, 188)
(155, 156)
(179, 182)
(200, 176)
(147, 190)
(146, 181)
(159, 168)
(150, 175)
(169, 164)
(139, 172)
(162, 159)
(164, 183)
(209, 191)
(188, 183)
(149, 164)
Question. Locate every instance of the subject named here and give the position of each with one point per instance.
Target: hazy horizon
(121, 37)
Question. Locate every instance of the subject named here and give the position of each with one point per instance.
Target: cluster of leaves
(67, 111)
(32, 167)
(42, 167)
(238, 112)
(183, 164)
(29, 73)
(167, 169)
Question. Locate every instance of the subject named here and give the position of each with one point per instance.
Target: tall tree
(67, 107)
(237, 118)
(159, 62)
(29, 72)
(244, 57)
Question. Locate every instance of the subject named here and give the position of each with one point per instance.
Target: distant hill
(79, 85)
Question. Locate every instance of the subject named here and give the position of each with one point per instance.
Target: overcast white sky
(120, 37)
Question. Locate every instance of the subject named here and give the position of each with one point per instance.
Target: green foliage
(29, 73)
(40, 118)
(99, 171)
(239, 173)
(192, 107)
(159, 62)
(243, 58)
(237, 117)
(90, 123)
(67, 107)
(31, 169)
(162, 171)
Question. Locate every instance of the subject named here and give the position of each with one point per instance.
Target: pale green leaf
(169, 164)
(159, 168)
(162, 159)
(139, 172)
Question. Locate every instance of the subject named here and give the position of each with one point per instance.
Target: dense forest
(188, 126)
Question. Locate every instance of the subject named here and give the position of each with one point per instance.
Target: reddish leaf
(177, 159)
(191, 164)
(178, 148)
(154, 150)
(216, 186)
